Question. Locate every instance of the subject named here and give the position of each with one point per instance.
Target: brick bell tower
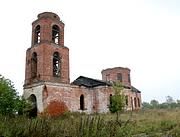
(47, 60)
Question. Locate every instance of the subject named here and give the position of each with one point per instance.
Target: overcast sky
(141, 35)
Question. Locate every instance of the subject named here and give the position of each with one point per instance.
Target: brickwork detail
(111, 74)
(45, 49)
(56, 108)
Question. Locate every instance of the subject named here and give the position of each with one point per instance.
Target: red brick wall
(56, 108)
(110, 74)
(46, 21)
(70, 95)
(45, 50)
(56, 98)
(45, 64)
(66, 97)
(131, 103)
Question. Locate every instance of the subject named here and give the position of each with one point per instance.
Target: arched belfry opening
(82, 102)
(34, 65)
(37, 35)
(55, 34)
(33, 110)
(56, 64)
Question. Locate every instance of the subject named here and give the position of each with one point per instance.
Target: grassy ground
(148, 123)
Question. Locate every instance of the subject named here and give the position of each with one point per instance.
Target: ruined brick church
(47, 83)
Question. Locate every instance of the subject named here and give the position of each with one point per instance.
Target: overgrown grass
(148, 123)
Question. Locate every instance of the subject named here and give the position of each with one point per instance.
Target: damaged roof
(135, 89)
(89, 82)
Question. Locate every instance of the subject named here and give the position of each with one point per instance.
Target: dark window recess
(108, 77)
(56, 64)
(126, 100)
(33, 110)
(139, 102)
(110, 99)
(129, 78)
(82, 102)
(37, 35)
(119, 77)
(135, 102)
(34, 65)
(55, 34)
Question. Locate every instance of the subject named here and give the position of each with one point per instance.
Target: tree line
(168, 104)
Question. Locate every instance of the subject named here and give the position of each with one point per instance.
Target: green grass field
(144, 123)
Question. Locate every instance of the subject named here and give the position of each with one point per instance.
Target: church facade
(47, 83)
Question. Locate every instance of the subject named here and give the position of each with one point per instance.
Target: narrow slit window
(82, 102)
(37, 35)
(34, 65)
(139, 103)
(126, 100)
(55, 34)
(110, 99)
(56, 65)
(135, 102)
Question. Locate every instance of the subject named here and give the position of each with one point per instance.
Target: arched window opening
(110, 99)
(126, 100)
(55, 34)
(119, 77)
(37, 37)
(82, 102)
(135, 102)
(108, 77)
(45, 92)
(34, 65)
(139, 103)
(56, 64)
(33, 101)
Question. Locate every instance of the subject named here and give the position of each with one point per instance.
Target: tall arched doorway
(33, 109)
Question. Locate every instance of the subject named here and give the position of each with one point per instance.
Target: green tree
(10, 102)
(146, 105)
(154, 103)
(169, 100)
(117, 101)
(178, 101)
